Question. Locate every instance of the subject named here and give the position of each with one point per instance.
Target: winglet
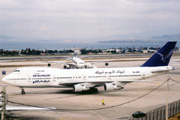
(162, 56)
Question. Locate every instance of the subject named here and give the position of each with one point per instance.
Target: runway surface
(87, 106)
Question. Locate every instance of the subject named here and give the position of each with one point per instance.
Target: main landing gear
(22, 91)
(94, 90)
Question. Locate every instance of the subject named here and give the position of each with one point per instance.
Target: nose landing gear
(22, 91)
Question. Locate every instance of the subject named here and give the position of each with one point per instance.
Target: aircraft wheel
(23, 92)
(94, 90)
(106, 64)
(49, 65)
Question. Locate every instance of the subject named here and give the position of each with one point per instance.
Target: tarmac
(119, 105)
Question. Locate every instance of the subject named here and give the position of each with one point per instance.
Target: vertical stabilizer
(162, 56)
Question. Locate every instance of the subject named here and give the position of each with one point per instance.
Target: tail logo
(163, 58)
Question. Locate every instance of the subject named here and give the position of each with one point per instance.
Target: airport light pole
(3, 100)
(167, 95)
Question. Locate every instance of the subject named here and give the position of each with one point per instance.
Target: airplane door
(29, 79)
(84, 77)
(109, 77)
(54, 78)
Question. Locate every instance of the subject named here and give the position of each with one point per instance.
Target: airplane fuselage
(54, 77)
(79, 62)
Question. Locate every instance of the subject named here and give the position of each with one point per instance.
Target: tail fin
(162, 56)
(75, 54)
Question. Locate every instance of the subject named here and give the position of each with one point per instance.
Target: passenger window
(17, 71)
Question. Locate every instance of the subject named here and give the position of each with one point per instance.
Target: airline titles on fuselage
(113, 72)
(41, 81)
(46, 78)
(41, 78)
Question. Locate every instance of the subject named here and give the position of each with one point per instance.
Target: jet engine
(112, 86)
(49, 64)
(80, 88)
(106, 64)
(65, 67)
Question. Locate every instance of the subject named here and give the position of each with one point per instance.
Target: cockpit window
(17, 71)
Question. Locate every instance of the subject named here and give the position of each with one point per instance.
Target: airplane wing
(108, 85)
(66, 64)
(23, 108)
(97, 83)
(91, 63)
(106, 61)
(114, 60)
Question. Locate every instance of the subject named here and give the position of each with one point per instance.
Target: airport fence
(160, 113)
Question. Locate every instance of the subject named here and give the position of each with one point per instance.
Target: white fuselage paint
(54, 77)
(79, 62)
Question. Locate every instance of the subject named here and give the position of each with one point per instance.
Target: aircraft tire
(23, 92)
(94, 90)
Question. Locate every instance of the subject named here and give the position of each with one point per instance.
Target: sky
(86, 21)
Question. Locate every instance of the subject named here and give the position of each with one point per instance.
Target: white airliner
(77, 63)
(88, 79)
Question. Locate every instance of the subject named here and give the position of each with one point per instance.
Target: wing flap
(96, 83)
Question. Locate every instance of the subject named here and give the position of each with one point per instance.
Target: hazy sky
(87, 20)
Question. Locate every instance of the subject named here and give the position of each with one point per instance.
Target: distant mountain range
(173, 37)
(155, 39)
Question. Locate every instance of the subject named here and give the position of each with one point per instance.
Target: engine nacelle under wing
(112, 86)
(80, 88)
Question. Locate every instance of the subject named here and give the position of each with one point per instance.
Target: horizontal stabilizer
(159, 71)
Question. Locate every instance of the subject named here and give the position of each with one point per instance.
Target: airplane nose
(4, 79)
